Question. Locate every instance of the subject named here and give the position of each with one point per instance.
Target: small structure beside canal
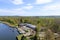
(27, 29)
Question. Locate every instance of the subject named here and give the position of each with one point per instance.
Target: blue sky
(29, 7)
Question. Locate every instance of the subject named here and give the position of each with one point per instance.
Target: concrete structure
(27, 29)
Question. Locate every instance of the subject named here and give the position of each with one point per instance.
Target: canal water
(7, 33)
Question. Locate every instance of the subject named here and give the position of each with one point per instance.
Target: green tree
(50, 35)
(37, 32)
(24, 38)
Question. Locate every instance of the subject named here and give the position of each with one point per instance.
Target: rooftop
(28, 25)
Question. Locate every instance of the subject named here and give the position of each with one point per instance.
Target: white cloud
(16, 11)
(17, 2)
(7, 12)
(28, 7)
(28, 4)
(43, 1)
(52, 7)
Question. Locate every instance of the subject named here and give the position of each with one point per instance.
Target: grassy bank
(19, 37)
(11, 25)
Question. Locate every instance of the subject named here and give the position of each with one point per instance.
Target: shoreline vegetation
(51, 23)
(11, 25)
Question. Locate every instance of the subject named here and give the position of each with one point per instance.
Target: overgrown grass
(19, 37)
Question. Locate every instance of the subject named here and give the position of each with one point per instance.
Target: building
(27, 29)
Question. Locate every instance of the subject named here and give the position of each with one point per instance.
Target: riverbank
(18, 37)
(7, 33)
(11, 25)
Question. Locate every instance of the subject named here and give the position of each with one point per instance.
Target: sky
(29, 7)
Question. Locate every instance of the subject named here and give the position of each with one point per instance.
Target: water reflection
(7, 33)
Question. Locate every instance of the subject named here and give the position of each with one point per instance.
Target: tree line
(52, 23)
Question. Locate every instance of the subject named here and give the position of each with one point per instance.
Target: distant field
(50, 22)
(46, 21)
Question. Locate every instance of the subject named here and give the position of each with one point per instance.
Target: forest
(52, 24)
